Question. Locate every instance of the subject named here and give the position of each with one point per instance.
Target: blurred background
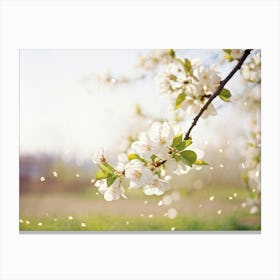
(72, 102)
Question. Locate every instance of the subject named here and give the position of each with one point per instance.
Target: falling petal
(40, 224)
(172, 229)
(54, 174)
(211, 197)
(70, 218)
(219, 212)
(42, 179)
(83, 224)
(167, 200)
(254, 210)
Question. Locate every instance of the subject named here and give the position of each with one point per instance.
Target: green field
(111, 223)
(89, 212)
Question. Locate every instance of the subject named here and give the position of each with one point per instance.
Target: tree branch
(218, 91)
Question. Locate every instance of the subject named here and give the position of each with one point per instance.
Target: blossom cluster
(189, 85)
(251, 71)
(148, 164)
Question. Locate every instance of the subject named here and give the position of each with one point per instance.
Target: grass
(115, 223)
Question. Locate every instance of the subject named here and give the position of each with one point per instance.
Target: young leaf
(188, 66)
(106, 168)
(228, 51)
(201, 162)
(189, 157)
(100, 175)
(180, 98)
(135, 156)
(225, 95)
(111, 180)
(171, 53)
(177, 140)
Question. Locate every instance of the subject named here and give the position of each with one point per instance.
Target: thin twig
(218, 91)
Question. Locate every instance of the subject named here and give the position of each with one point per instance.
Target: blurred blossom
(172, 213)
(167, 200)
(254, 210)
(251, 71)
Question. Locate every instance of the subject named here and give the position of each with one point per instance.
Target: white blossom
(144, 147)
(156, 187)
(99, 157)
(138, 174)
(161, 134)
(176, 167)
(114, 192)
(122, 161)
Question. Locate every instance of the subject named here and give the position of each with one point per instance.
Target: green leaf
(225, 95)
(171, 53)
(228, 51)
(189, 157)
(111, 180)
(184, 144)
(188, 66)
(201, 162)
(135, 156)
(180, 98)
(100, 175)
(106, 168)
(177, 139)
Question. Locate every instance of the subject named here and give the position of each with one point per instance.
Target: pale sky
(61, 114)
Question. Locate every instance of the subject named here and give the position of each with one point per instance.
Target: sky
(64, 111)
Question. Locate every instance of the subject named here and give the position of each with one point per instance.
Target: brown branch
(218, 91)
